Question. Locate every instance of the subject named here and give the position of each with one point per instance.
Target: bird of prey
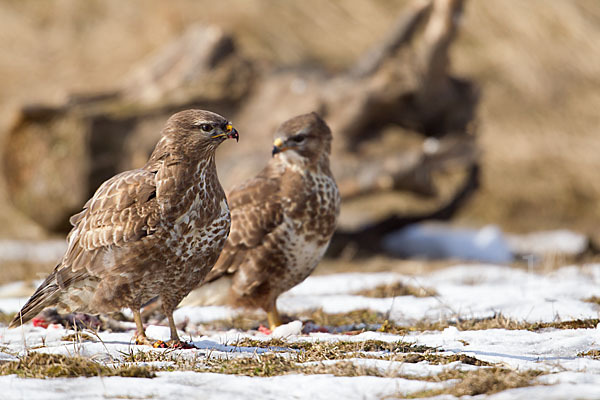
(149, 232)
(281, 222)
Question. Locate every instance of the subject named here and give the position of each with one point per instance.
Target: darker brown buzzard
(149, 232)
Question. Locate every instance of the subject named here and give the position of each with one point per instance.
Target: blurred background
(487, 116)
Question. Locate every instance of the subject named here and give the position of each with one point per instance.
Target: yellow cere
(278, 142)
(228, 128)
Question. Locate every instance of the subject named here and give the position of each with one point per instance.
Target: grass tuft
(304, 357)
(593, 299)
(319, 351)
(484, 381)
(42, 365)
(595, 354)
(497, 321)
(590, 323)
(78, 337)
(258, 365)
(272, 364)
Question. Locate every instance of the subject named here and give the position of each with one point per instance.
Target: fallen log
(400, 87)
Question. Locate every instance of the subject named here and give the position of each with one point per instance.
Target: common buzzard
(146, 233)
(281, 222)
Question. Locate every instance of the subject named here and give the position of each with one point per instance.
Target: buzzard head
(306, 135)
(198, 130)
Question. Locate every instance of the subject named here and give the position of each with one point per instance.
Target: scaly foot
(142, 340)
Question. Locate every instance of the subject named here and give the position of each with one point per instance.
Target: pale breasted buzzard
(281, 221)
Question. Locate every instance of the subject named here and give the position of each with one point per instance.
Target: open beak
(278, 146)
(230, 133)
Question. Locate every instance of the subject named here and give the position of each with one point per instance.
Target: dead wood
(368, 240)
(401, 87)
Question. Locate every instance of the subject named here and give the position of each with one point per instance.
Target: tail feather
(46, 295)
(227, 264)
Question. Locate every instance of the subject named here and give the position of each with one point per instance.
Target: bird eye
(206, 127)
(299, 138)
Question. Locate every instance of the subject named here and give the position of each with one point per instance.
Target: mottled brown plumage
(154, 231)
(282, 219)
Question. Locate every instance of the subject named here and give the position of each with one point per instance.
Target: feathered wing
(256, 212)
(122, 211)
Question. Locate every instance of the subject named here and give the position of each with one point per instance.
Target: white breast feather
(307, 253)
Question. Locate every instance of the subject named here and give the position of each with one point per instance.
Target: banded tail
(46, 295)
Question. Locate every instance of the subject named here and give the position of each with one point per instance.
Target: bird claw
(159, 344)
(178, 344)
(173, 344)
(144, 341)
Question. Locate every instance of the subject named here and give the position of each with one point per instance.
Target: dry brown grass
(307, 358)
(484, 381)
(593, 299)
(396, 289)
(288, 358)
(495, 322)
(78, 337)
(370, 320)
(319, 351)
(243, 322)
(273, 365)
(355, 317)
(595, 354)
(40, 365)
(498, 321)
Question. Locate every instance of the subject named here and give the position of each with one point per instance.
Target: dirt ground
(537, 62)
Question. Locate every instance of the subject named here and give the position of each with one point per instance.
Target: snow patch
(437, 241)
(549, 242)
(293, 328)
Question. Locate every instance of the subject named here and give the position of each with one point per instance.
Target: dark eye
(299, 138)
(206, 127)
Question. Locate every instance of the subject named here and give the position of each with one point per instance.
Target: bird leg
(175, 342)
(140, 337)
(273, 318)
(174, 334)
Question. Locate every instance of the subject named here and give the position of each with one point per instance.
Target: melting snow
(463, 291)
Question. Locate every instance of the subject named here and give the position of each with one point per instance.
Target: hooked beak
(230, 133)
(278, 146)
